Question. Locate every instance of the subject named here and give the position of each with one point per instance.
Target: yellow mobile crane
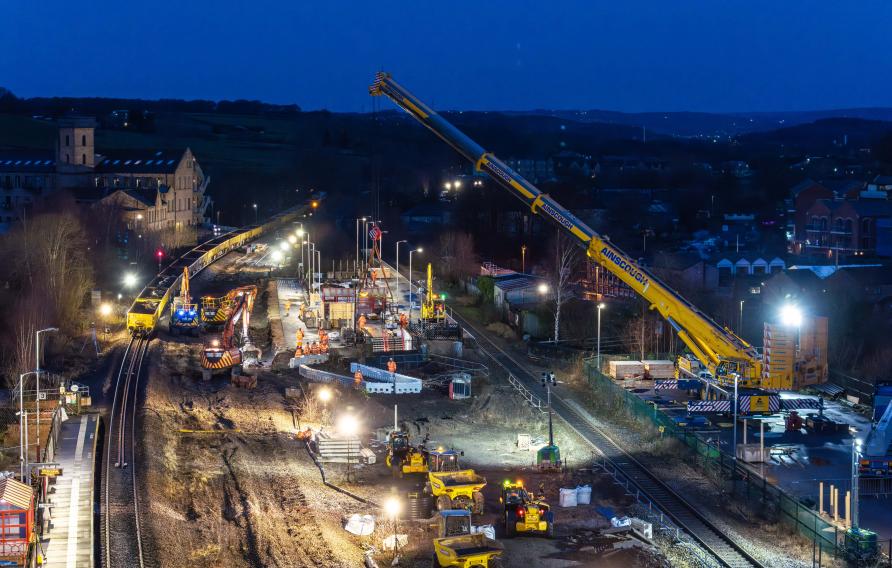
(724, 354)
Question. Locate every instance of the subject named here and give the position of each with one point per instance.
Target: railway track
(710, 537)
(121, 540)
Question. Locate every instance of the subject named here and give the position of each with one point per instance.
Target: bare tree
(566, 257)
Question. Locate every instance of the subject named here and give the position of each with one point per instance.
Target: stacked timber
(626, 369)
(659, 368)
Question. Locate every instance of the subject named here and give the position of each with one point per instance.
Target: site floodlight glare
(392, 507)
(284, 245)
(543, 288)
(292, 239)
(791, 315)
(277, 256)
(348, 425)
(105, 309)
(324, 395)
(130, 280)
(215, 343)
(300, 232)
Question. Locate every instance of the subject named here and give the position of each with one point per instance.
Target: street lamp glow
(300, 232)
(292, 239)
(348, 425)
(277, 256)
(418, 250)
(543, 288)
(602, 305)
(284, 245)
(324, 394)
(447, 185)
(105, 309)
(457, 184)
(392, 507)
(130, 280)
(791, 315)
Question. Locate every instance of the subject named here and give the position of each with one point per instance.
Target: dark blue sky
(628, 55)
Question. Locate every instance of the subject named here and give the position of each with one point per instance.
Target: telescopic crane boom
(725, 354)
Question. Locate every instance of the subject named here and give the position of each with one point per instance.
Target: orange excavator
(226, 350)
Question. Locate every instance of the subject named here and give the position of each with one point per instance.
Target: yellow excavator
(726, 356)
(433, 309)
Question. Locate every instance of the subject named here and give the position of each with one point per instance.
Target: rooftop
(139, 161)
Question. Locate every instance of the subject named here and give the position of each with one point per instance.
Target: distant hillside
(703, 124)
(824, 135)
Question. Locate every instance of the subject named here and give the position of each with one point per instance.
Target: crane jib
(625, 265)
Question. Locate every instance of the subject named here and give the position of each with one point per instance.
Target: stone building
(155, 189)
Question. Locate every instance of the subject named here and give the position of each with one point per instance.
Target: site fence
(753, 490)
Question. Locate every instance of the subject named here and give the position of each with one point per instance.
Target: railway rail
(121, 541)
(685, 515)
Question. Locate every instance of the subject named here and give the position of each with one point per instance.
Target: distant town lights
(791, 315)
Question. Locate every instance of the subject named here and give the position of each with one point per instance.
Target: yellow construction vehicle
(454, 488)
(433, 309)
(184, 316)
(523, 513)
(403, 458)
(456, 546)
(725, 355)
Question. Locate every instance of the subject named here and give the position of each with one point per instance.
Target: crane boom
(724, 353)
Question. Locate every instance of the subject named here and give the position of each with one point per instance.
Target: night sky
(628, 55)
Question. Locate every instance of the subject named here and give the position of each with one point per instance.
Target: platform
(69, 541)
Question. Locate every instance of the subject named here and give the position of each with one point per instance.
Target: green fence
(768, 500)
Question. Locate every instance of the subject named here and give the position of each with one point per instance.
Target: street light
(410, 278)
(292, 239)
(348, 425)
(285, 245)
(37, 373)
(23, 456)
(601, 306)
(791, 315)
(255, 213)
(856, 454)
(392, 508)
(398, 269)
(357, 241)
(130, 280)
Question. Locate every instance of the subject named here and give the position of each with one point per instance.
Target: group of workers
(312, 348)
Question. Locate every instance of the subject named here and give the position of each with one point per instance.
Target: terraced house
(154, 189)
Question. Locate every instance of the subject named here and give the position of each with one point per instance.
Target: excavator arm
(717, 347)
